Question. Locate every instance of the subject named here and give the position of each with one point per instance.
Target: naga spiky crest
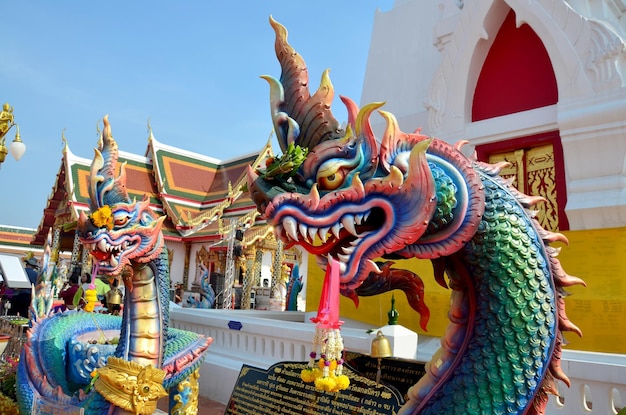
(106, 188)
(297, 116)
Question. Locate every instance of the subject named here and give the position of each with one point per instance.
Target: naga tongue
(99, 255)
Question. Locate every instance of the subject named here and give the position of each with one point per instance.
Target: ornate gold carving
(190, 407)
(186, 266)
(130, 386)
(202, 258)
(541, 179)
(513, 170)
(534, 173)
(170, 257)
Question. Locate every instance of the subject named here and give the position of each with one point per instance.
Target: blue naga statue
(294, 286)
(342, 194)
(60, 368)
(206, 295)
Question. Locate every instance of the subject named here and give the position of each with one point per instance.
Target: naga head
(118, 230)
(349, 198)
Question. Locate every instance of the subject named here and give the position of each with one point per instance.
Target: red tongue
(99, 255)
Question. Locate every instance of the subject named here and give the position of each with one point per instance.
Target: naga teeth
(103, 246)
(323, 233)
(366, 215)
(291, 228)
(303, 231)
(348, 223)
(343, 258)
(300, 231)
(349, 249)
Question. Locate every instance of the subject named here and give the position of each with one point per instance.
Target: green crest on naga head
(117, 230)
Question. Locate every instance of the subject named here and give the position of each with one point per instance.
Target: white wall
(425, 58)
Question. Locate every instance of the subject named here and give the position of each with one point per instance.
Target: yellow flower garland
(103, 217)
(91, 298)
(327, 371)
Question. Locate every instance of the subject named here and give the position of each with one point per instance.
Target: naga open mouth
(340, 238)
(107, 254)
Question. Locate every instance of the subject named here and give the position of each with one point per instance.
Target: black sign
(399, 373)
(279, 390)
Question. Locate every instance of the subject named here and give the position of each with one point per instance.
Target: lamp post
(17, 147)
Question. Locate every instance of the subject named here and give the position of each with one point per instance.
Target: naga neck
(142, 334)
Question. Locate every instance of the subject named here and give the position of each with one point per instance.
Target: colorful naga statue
(206, 295)
(60, 367)
(366, 203)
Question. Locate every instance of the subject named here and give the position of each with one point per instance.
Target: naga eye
(120, 220)
(331, 181)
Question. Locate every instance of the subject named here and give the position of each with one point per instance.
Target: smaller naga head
(118, 230)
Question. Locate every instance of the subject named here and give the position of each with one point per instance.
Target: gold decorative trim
(207, 216)
(216, 212)
(242, 221)
(130, 386)
(258, 234)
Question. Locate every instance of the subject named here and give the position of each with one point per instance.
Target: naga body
(125, 241)
(343, 194)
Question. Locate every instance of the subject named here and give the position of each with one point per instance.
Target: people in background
(102, 288)
(69, 290)
(179, 293)
(20, 301)
(31, 266)
(6, 295)
(85, 280)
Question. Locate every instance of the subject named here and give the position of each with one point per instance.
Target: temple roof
(200, 195)
(15, 239)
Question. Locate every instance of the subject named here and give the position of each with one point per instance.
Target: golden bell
(380, 346)
(114, 297)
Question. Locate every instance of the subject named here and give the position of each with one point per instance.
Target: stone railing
(598, 384)
(262, 338)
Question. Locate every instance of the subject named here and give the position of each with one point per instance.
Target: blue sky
(192, 68)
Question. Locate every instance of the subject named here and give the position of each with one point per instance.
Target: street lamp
(17, 147)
